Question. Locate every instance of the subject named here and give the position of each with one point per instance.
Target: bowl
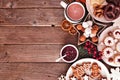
(71, 53)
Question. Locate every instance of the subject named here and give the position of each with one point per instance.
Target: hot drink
(75, 11)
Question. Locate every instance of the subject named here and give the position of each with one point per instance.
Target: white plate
(90, 10)
(101, 47)
(104, 70)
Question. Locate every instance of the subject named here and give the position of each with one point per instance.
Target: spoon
(57, 60)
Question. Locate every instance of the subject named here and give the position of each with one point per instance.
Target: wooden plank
(32, 71)
(0, 3)
(35, 35)
(30, 4)
(34, 17)
(29, 53)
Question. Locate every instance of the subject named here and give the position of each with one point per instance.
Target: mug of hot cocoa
(73, 12)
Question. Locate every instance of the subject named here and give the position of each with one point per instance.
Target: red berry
(94, 56)
(88, 49)
(89, 52)
(91, 46)
(94, 53)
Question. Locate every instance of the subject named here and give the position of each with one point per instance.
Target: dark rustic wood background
(31, 39)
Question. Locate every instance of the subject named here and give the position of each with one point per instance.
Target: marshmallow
(90, 23)
(85, 24)
(88, 31)
(86, 35)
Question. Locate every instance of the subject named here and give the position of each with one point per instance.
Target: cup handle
(63, 4)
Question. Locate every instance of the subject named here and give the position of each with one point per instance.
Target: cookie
(109, 41)
(116, 33)
(94, 39)
(78, 71)
(117, 59)
(108, 52)
(97, 2)
(118, 47)
(80, 27)
(82, 38)
(86, 65)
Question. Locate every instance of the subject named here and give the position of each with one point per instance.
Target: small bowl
(71, 51)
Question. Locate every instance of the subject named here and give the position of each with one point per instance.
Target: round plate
(101, 47)
(104, 71)
(90, 10)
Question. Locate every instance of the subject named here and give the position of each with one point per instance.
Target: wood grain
(30, 4)
(34, 17)
(32, 71)
(0, 3)
(35, 35)
(29, 53)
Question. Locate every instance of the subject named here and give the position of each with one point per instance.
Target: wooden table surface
(31, 39)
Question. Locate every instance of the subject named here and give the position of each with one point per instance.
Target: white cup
(77, 53)
(66, 6)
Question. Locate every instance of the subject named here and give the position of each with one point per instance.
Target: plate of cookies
(87, 69)
(109, 45)
(104, 10)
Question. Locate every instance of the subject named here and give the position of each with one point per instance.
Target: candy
(85, 24)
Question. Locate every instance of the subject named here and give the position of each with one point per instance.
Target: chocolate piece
(111, 12)
(115, 2)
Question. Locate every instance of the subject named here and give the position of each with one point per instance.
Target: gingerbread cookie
(86, 65)
(78, 71)
(95, 74)
(118, 47)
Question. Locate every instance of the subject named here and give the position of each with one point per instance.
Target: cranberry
(70, 52)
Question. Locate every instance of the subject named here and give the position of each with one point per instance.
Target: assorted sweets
(98, 8)
(109, 9)
(88, 30)
(87, 71)
(110, 45)
(106, 10)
